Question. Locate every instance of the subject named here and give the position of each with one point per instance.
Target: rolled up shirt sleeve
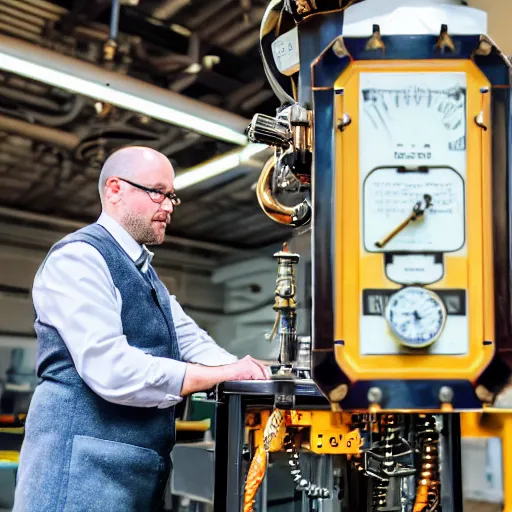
(74, 293)
(196, 345)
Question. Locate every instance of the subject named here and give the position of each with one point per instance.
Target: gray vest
(81, 452)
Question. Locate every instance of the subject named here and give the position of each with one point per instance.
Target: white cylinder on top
(413, 17)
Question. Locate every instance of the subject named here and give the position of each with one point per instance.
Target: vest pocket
(111, 476)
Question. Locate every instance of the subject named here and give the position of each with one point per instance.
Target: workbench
(233, 400)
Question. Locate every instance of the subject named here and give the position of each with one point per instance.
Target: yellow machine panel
(322, 431)
(414, 294)
(332, 434)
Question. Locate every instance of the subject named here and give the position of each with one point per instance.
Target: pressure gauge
(416, 316)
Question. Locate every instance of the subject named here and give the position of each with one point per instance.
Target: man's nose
(167, 205)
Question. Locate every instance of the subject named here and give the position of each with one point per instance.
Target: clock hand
(418, 210)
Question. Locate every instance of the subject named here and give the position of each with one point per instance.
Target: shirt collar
(122, 237)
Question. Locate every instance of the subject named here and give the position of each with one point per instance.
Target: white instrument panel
(412, 140)
(389, 197)
(412, 119)
(413, 154)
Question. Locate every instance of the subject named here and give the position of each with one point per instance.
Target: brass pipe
(294, 216)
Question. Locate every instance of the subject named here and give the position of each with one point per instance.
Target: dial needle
(418, 211)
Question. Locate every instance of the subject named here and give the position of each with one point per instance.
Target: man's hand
(199, 378)
(248, 369)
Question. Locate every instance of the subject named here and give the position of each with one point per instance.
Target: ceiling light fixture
(108, 87)
(106, 92)
(217, 166)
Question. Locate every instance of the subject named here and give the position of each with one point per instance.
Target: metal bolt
(374, 395)
(344, 121)
(446, 394)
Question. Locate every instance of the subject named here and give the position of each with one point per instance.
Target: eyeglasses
(157, 196)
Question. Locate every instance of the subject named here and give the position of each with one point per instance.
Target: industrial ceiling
(52, 142)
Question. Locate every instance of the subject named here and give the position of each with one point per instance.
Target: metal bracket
(284, 397)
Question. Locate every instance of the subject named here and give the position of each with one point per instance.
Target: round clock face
(416, 316)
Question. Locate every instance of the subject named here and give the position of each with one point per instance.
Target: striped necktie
(144, 260)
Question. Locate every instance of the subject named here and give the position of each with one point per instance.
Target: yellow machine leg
(506, 448)
(494, 423)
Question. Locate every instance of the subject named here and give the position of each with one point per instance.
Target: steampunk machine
(392, 142)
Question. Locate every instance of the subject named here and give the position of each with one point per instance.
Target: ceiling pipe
(33, 20)
(59, 138)
(169, 8)
(12, 213)
(196, 115)
(47, 6)
(61, 118)
(21, 96)
(208, 12)
(110, 47)
(31, 9)
(114, 20)
(21, 24)
(5, 27)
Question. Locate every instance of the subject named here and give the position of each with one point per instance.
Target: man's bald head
(134, 186)
(130, 163)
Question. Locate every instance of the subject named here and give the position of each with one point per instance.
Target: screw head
(374, 395)
(446, 394)
(344, 121)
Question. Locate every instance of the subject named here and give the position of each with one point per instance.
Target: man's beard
(140, 230)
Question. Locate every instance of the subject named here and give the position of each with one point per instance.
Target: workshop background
(203, 56)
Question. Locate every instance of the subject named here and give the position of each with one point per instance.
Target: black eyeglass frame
(175, 200)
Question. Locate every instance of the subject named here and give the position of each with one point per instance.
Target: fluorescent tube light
(103, 92)
(83, 78)
(217, 166)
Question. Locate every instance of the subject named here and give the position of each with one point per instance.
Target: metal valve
(269, 130)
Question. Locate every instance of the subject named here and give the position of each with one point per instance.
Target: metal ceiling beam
(169, 8)
(26, 238)
(127, 92)
(11, 213)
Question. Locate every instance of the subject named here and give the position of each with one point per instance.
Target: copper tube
(291, 215)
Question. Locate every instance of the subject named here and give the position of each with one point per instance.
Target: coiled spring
(302, 484)
(379, 494)
(390, 439)
(428, 485)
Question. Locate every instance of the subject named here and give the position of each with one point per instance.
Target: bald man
(116, 353)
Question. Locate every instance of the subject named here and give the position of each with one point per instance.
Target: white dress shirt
(75, 293)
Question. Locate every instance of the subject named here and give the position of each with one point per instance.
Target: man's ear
(113, 189)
